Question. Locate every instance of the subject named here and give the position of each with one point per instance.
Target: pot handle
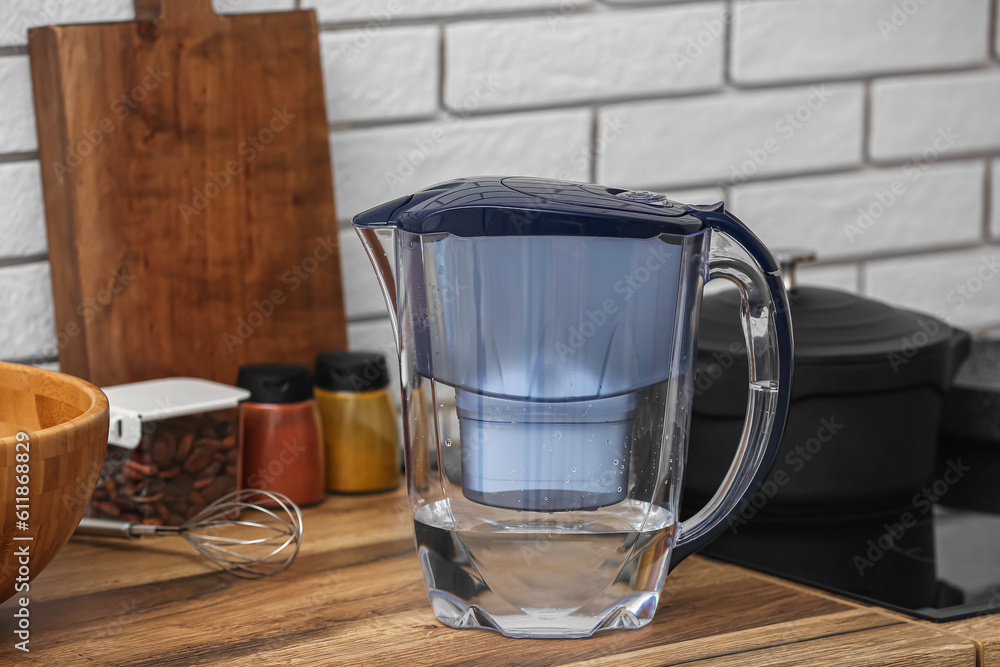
(738, 256)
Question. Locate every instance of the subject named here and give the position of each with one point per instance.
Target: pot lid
(831, 326)
(844, 344)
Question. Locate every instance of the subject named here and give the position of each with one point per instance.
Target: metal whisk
(256, 546)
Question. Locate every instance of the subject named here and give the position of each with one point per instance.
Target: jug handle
(739, 256)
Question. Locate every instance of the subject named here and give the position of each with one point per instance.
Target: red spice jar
(280, 432)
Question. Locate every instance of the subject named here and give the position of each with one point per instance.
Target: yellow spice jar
(360, 433)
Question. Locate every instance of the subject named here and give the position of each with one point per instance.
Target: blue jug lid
(522, 206)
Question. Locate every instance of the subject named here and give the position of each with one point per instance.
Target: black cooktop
(941, 565)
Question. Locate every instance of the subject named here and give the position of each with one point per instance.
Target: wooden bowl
(57, 426)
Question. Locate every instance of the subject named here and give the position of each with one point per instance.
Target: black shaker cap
(276, 383)
(351, 371)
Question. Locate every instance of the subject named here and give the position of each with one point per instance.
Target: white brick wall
(869, 212)
(28, 329)
(732, 137)
(995, 199)
(836, 277)
(538, 61)
(778, 40)
(22, 220)
(674, 95)
(373, 165)
(362, 295)
(17, 111)
(932, 104)
(961, 287)
(391, 74)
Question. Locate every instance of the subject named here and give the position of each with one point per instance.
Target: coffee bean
(184, 447)
(209, 443)
(198, 459)
(169, 472)
(202, 482)
(147, 469)
(131, 473)
(109, 509)
(222, 485)
(163, 452)
(211, 469)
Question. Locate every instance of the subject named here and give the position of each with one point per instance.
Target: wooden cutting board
(188, 192)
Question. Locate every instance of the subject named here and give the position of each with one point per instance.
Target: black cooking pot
(872, 555)
(970, 429)
(866, 404)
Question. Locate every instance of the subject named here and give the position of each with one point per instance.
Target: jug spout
(378, 234)
(379, 241)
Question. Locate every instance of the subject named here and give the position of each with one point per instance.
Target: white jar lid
(153, 400)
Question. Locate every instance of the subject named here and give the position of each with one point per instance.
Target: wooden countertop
(355, 596)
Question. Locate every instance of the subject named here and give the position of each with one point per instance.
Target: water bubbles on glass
(616, 461)
(573, 469)
(447, 443)
(557, 435)
(619, 489)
